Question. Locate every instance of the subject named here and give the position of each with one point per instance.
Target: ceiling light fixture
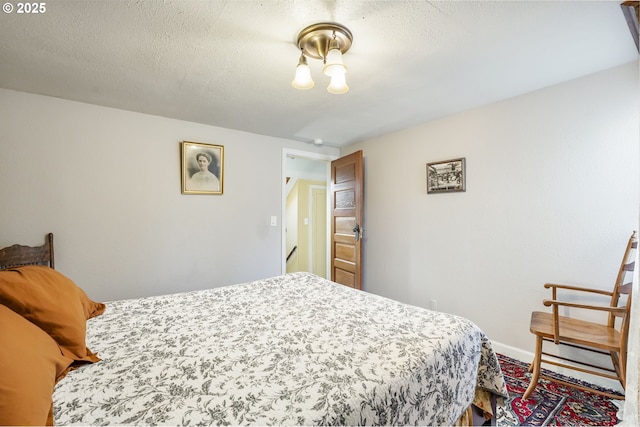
(327, 41)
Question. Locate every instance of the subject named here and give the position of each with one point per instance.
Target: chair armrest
(615, 310)
(555, 286)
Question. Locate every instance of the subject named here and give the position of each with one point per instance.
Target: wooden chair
(18, 255)
(608, 338)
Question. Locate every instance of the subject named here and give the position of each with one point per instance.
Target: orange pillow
(52, 301)
(32, 363)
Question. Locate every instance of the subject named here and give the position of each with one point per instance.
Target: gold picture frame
(446, 176)
(202, 168)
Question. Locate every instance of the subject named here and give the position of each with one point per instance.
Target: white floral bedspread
(294, 349)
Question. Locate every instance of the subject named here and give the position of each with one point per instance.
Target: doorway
(305, 212)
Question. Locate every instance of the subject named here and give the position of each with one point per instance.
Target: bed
(294, 349)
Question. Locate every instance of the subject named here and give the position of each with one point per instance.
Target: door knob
(356, 231)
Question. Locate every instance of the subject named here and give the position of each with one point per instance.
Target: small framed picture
(202, 168)
(446, 176)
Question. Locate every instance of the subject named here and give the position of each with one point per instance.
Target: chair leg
(623, 369)
(620, 364)
(535, 365)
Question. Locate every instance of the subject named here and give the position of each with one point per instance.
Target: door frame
(310, 155)
(311, 237)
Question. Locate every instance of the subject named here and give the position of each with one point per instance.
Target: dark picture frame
(447, 176)
(202, 168)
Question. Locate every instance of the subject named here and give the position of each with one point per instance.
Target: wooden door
(347, 198)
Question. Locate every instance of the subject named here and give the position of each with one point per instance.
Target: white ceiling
(230, 63)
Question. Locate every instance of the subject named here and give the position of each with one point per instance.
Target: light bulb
(333, 61)
(302, 79)
(338, 84)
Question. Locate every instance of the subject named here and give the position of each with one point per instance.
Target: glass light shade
(302, 80)
(338, 84)
(334, 64)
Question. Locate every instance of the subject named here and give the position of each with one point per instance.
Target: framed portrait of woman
(202, 168)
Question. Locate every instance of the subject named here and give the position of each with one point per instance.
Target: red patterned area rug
(552, 403)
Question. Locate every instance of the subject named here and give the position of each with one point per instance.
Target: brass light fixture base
(314, 40)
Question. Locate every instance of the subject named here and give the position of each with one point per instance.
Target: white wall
(552, 195)
(106, 182)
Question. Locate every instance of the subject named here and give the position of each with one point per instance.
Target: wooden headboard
(18, 255)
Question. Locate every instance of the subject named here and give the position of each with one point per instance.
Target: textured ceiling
(230, 63)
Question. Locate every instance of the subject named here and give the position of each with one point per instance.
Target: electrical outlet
(434, 305)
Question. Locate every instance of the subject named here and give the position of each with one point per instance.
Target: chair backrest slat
(630, 267)
(623, 287)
